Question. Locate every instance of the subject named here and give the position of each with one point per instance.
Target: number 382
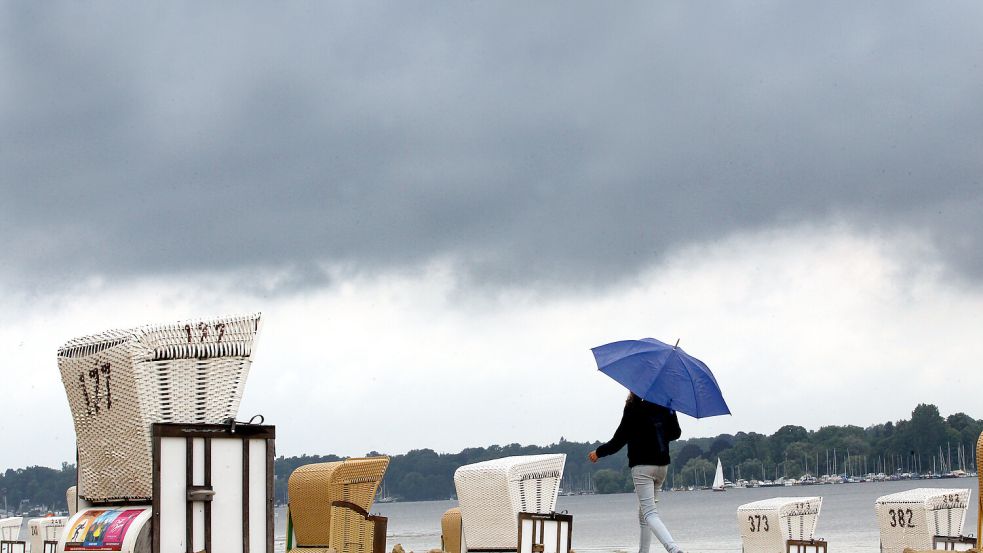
(901, 518)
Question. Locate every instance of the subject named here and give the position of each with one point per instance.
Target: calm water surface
(699, 521)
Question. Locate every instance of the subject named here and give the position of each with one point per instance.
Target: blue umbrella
(663, 374)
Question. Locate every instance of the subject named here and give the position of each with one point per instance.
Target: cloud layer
(530, 146)
(804, 327)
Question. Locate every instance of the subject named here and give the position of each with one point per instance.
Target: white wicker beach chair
(44, 533)
(10, 541)
(493, 493)
(912, 519)
(120, 382)
(773, 525)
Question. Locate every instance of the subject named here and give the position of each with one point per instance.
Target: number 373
(759, 523)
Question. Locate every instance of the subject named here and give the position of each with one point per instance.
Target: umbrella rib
(692, 383)
(655, 381)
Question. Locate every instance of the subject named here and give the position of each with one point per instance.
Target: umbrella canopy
(663, 374)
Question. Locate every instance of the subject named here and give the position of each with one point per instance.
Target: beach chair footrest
(953, 543)
(13, 546)
(806, 546)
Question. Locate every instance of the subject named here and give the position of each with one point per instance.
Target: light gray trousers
(648, 481)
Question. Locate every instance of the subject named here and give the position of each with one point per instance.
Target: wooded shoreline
(925, 442)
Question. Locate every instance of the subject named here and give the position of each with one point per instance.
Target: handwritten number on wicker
(85, 394)
(106, 370)
(953, 501)
(898, 519)
(759, 523)
(94, 375)
(203, 332)
(92, 403)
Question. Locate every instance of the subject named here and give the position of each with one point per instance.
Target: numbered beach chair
(44, 533)
(120, 382)
(492, 494)
(921, 518)
(945, 542)
(328, 507)
(781, 525)
(154, 412)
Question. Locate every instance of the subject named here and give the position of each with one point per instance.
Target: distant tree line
(423, 474)
(927, 442)
(38, 489)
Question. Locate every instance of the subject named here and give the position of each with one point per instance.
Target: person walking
(647, 429)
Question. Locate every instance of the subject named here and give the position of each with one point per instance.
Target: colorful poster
(116, 530)
(101, 530)
(77, 532)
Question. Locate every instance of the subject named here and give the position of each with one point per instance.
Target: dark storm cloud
(529, 144)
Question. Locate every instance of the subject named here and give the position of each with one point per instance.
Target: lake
(699, 520)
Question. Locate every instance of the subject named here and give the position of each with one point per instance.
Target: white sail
(718, 479)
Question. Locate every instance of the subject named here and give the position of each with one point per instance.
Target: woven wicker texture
(10, 528)
(766, 525)
(313, 488)
(71, 497)
(910, 519)
(450, 531)
(120, 382)
(350, 532)
(493, 493)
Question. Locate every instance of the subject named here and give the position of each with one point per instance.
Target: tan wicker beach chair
(493, 493)
(450, 531)
(328, 507)
(120, 382)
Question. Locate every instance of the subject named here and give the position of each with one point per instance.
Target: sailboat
(718, 479)
(382, 496)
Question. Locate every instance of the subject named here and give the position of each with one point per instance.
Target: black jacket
(647, 429)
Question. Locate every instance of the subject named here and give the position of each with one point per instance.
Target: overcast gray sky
(433, 202)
